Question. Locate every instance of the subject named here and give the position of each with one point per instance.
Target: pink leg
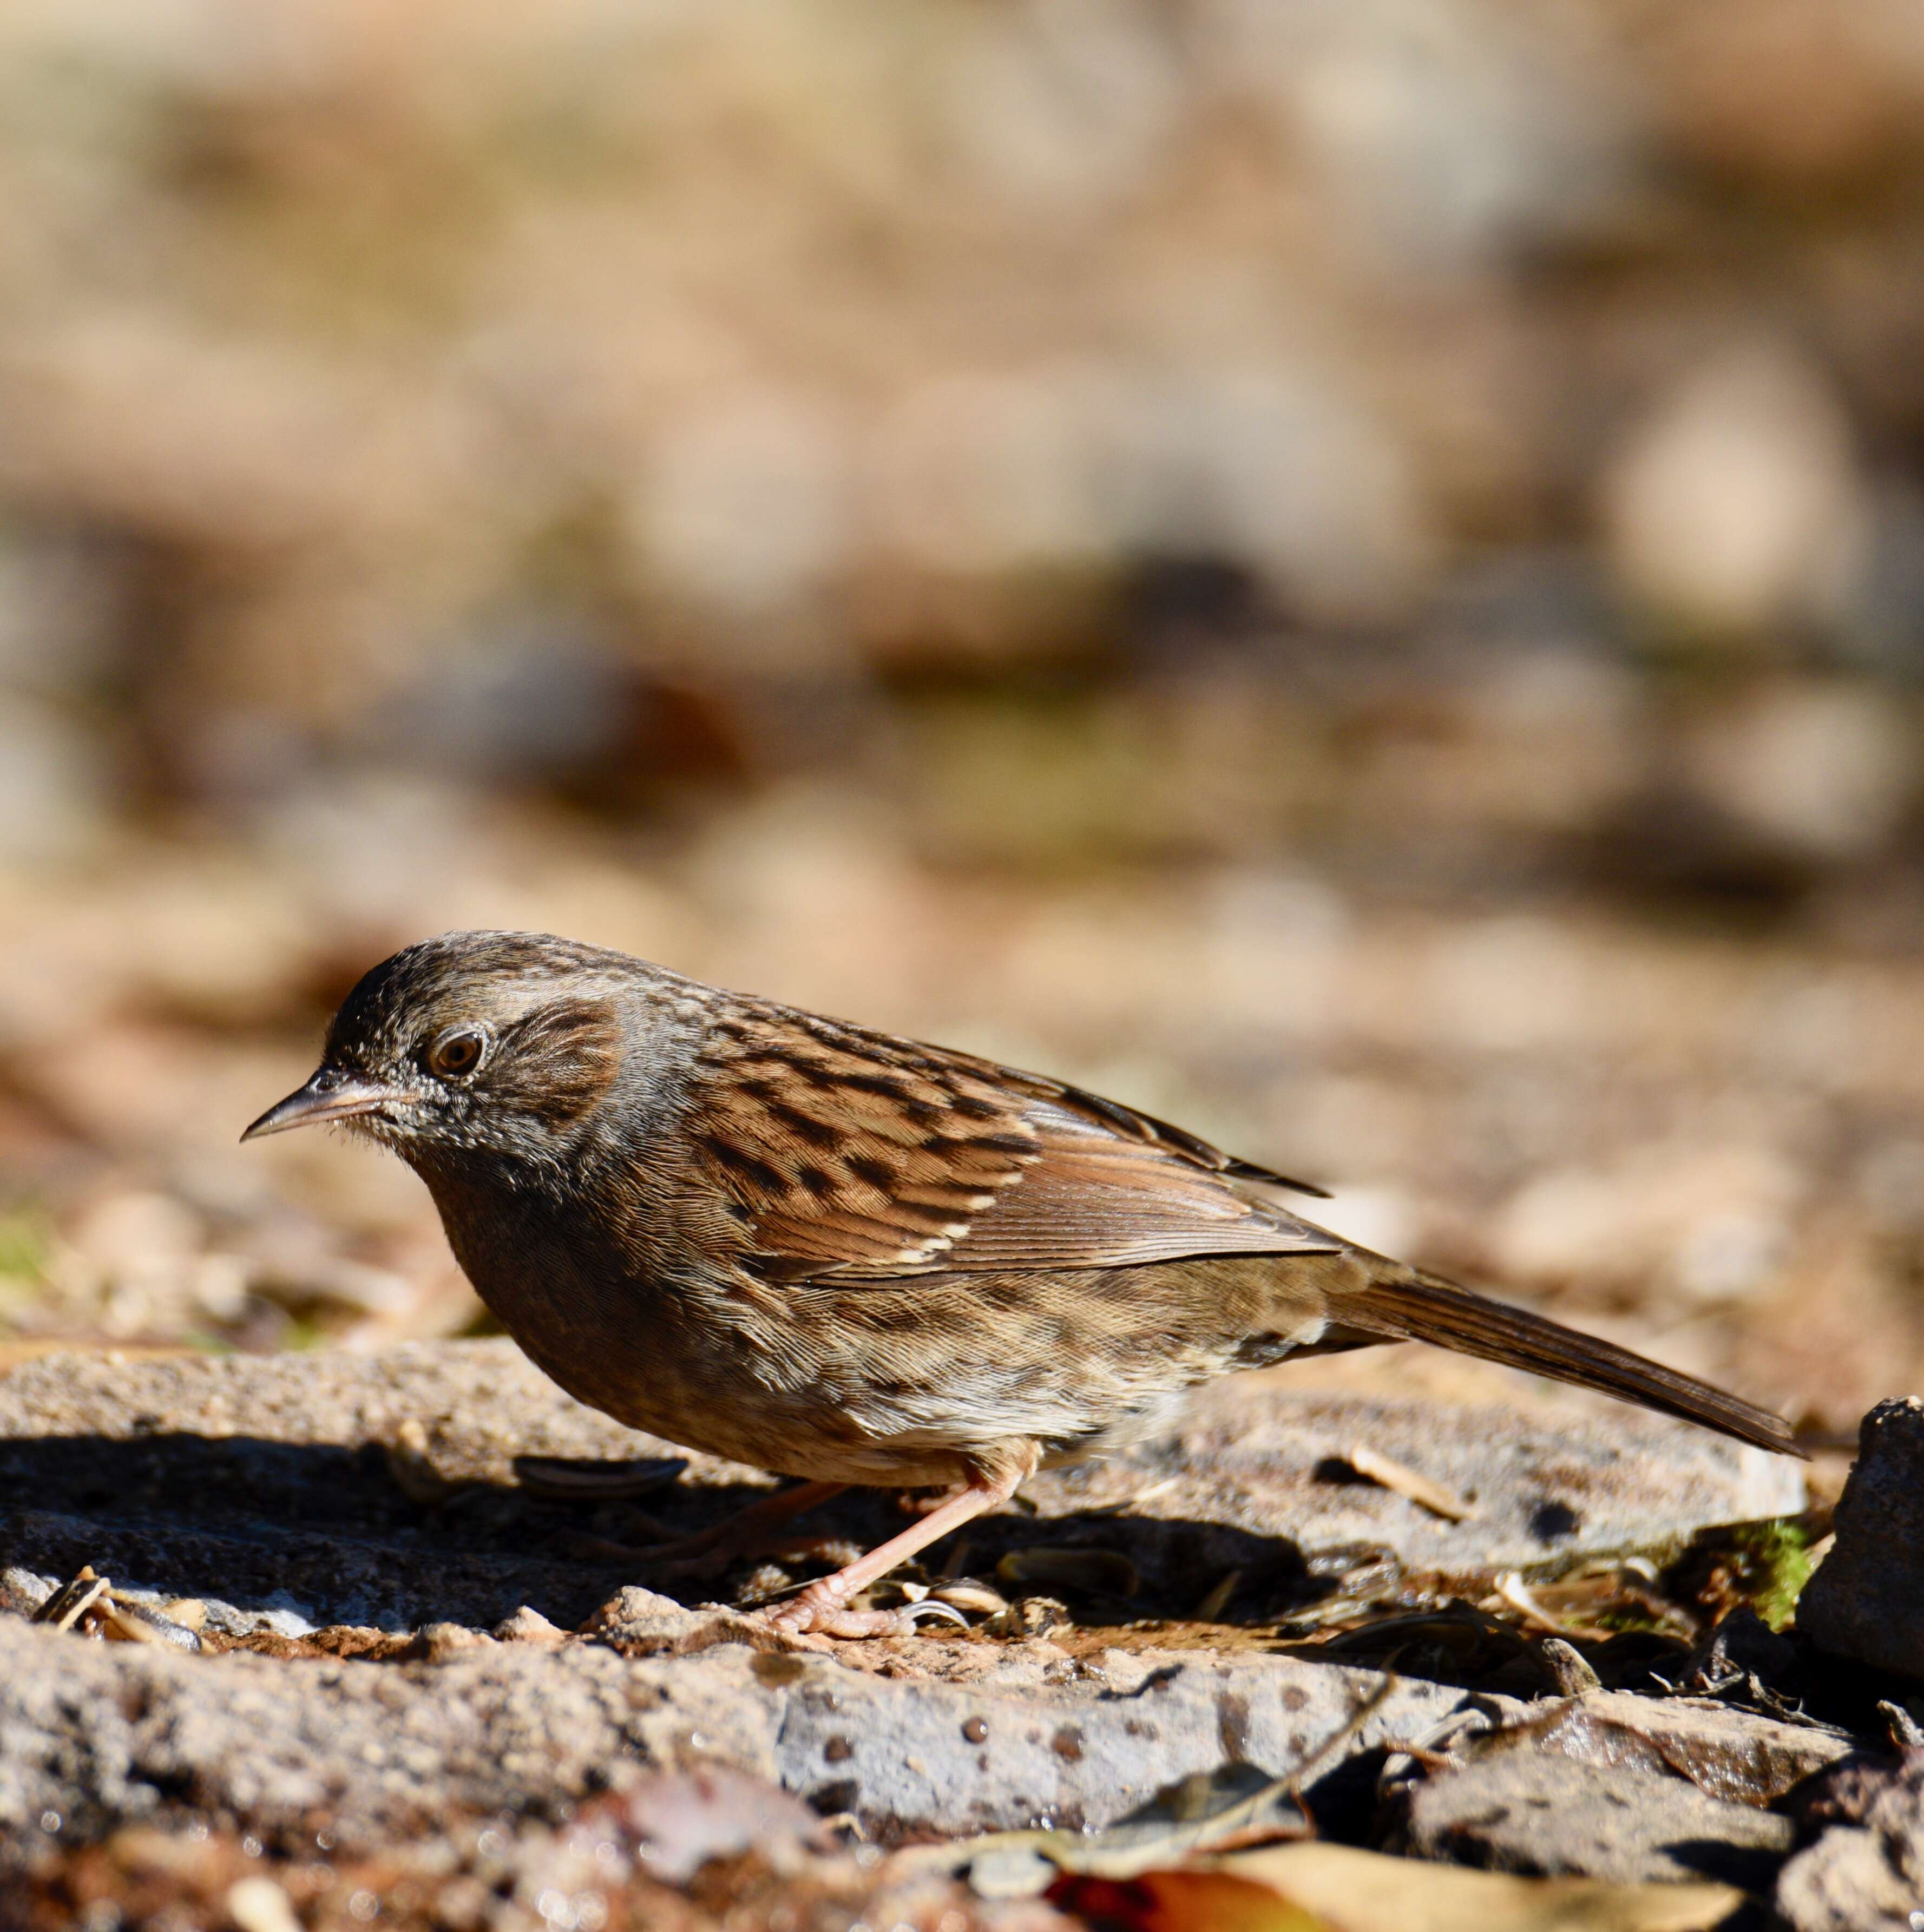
(822, 1607)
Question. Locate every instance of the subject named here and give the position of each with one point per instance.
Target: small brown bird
(852, 1258)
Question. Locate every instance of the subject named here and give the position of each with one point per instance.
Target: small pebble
(528, 1625)
(260, 1905)
(440, 1642)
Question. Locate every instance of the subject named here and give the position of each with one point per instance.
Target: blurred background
(1351, 571)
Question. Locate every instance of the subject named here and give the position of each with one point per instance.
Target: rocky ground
(380, 1639)
(1353, 577)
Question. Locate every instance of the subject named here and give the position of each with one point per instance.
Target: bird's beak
(331, 1095)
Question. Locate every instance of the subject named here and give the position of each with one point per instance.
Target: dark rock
(1742, 1652)
(1846, 1793)
(1731, 1754)
(1521, 1811)
(1865, 1873)
(1866, 1600)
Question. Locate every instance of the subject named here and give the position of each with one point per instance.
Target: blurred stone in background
(1354, 573)
(1736, 509)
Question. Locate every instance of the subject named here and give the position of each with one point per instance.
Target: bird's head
(490, 1044)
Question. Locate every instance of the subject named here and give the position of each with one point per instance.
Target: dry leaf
(1343, 1890)
(1391, 1475)
(1511, 1589)
(1213, 1606)
(1234, 1805)
(1183, 1901)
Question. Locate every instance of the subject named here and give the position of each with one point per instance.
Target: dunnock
(852, 1258)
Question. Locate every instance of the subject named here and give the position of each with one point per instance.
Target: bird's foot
(823, 1608)
(824, 1611)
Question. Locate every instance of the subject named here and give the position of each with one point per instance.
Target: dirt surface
(364, 1623)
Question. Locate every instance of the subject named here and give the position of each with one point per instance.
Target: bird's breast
(904, 1381)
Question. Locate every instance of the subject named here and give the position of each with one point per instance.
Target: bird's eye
(456, 1053)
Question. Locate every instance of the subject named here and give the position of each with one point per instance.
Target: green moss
(302, 1333)
(26, 1244)
(1778, 1554)
(1631, 1619)
(26, 1241)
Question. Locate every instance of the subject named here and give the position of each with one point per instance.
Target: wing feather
(849, 1155)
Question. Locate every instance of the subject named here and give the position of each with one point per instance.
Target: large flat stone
(103, 1735)
(1251, 1455)
(262, 1480)
(269, 1487)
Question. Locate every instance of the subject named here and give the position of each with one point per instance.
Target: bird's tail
(1405, 1304)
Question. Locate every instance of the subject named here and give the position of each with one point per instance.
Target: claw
(934, 1611)
(822, 1608)
(799, 1617)
(797, 1620)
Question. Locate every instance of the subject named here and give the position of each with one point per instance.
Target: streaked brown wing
(851, 1155)
(1095, 1200)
